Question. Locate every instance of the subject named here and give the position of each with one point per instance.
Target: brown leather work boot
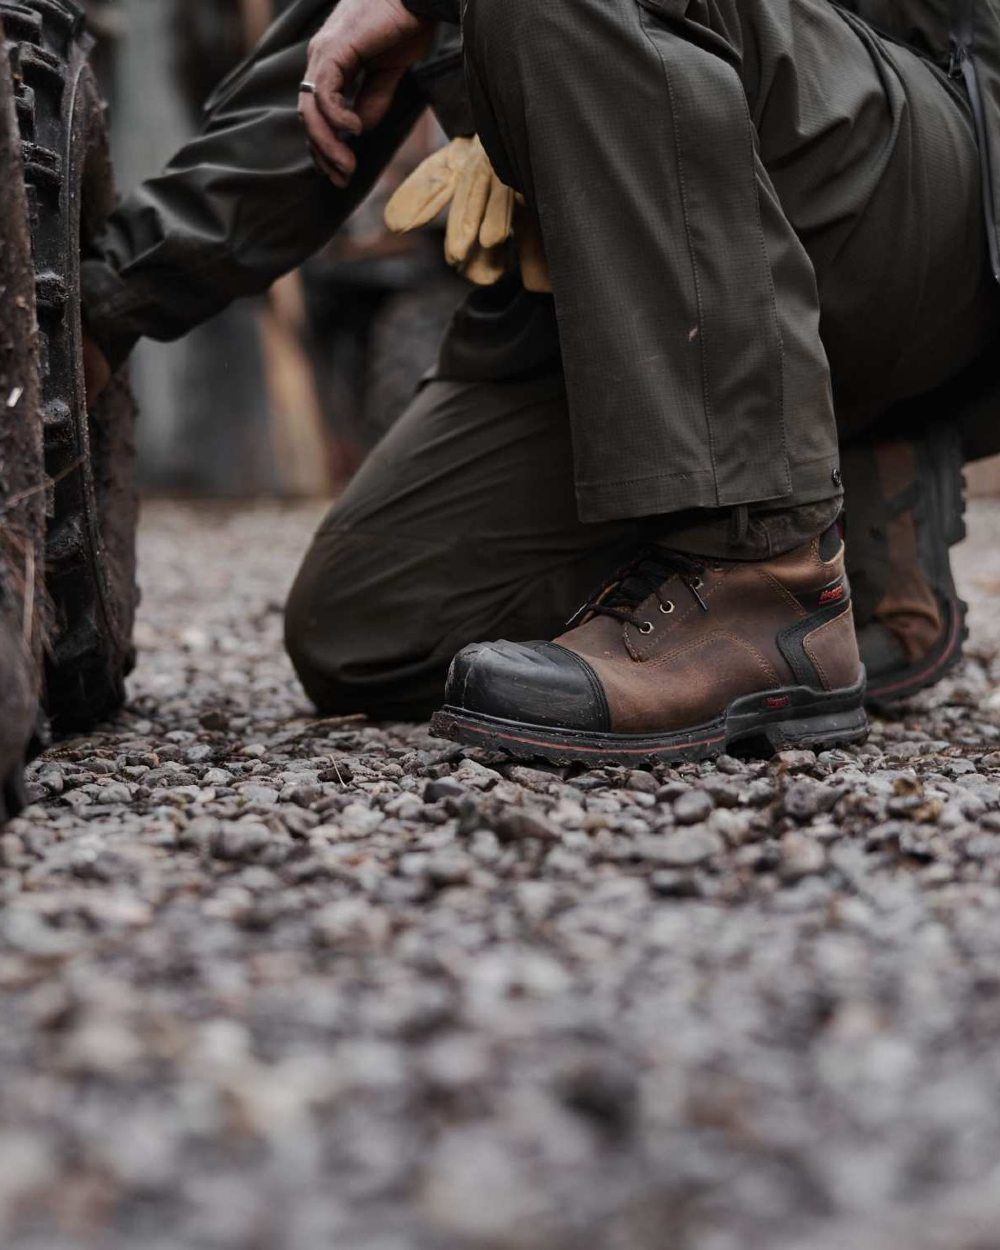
(676, 660)
(905, 509)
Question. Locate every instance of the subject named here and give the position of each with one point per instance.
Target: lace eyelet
(667, 608)
(698, 583)
(646, 627)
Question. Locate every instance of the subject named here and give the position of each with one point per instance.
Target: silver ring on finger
(307, 88)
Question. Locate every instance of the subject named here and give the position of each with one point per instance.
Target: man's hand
(379, 38)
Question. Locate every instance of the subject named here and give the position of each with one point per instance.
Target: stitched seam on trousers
(649, 477)
(770, 285)
(682, 187)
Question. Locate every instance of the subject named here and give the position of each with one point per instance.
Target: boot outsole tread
(812, 719)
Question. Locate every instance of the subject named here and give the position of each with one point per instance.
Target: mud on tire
(22, 486)
(92, 508)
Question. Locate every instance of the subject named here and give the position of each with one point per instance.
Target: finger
(319, 133)
(423, 194)
(485, 267)
(336, 113)
(466, 217)
(377, 95)
(336, 176)
(498, 220)
(335, 152)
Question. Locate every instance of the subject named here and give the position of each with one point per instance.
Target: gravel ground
(275, 983)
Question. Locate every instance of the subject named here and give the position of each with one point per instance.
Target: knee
(351, 632)
(316, 634)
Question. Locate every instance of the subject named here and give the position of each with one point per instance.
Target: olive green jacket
(242, 203)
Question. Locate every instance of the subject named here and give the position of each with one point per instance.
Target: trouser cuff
(757, 532)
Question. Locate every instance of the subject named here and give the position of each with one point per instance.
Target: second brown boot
(905, 509)
(677, 659)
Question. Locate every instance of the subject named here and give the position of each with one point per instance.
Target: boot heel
(836, 729)
(759, 725)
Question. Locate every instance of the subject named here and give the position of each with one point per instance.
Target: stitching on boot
(760, 660)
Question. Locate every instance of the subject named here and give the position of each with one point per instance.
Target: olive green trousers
(758, 214)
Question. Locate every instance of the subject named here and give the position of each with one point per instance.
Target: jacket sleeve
(237, 207)
(435, 10)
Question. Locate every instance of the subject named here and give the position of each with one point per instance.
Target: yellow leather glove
(483, 215)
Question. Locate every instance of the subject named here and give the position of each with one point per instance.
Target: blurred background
(282, 395)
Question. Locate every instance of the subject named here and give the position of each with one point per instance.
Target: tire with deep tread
(22, 479)
(88, 457)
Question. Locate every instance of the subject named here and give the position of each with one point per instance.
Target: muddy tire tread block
(88, 458)
(22, 479)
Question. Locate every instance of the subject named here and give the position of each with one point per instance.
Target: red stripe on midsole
(550, 742)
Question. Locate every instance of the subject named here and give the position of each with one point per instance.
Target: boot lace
(643, 577)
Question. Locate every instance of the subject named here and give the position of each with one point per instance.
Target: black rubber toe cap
(533, 683)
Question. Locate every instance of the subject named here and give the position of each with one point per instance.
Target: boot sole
(759, 724)
(905, 683)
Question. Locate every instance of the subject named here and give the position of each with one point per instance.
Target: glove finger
(419, 199)
(468, 207)
(498, 220)
(485, 267)
(531, 252)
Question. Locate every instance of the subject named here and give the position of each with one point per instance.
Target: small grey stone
(684, 848)
(518, 824)
(642, 782)
(240, 841)
(692, 807)
(672, 884)
(476, 776)
(259, 795)
(443, 788)
(801, 856)
(805, 799)
(449, 867)
(217, 777)
(985, 847)
(795, 761)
